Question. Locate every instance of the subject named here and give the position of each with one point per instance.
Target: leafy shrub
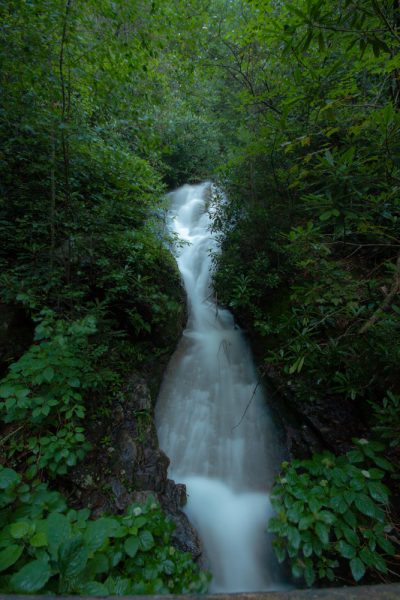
(331, 514)
(43, 395)
(46, 547)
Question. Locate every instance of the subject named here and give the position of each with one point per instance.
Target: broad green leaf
(31, 578)
(73, 556)
(9, 556)
(8, 478)
(94, 588)
(58, 531)
(96, 533)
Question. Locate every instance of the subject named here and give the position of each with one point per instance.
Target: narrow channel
(213, 421)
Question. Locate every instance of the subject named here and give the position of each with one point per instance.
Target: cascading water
(213, 422)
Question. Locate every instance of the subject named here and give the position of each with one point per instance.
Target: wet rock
(185, 537)
(126, 455)
(122, 498)
(84, 476)
(142, 496)
(137, 393)
(130, 466)
(152, 473)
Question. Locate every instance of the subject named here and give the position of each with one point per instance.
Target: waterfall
(212, 419)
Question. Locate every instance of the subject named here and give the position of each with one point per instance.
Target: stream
(213, 421)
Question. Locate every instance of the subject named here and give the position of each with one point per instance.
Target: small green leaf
(131, 546)
(48, 374)
(297, 570)
(383, 463)
(306, 522)
(280, 553)
(386, 546)
(365, 505)
(322, 532)
(378, 491)
(19, 529)
(368, 557)
(350, 535)
(146, 540)
(314, 504)
(38, 540)
(338, 504)
(307, 550)
(357, 569)
(380, 563)
(294, 537)
(346, 550)
(327, 517)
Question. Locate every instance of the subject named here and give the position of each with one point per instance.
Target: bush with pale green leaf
(48, 548)
(331, 514)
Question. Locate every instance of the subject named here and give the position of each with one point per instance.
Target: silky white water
(212, 419)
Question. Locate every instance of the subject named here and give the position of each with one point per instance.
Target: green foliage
(43, 396)
(331, 514)
(48, 548)
(386, 419)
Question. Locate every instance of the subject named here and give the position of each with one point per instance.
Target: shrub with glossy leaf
(46, 547)
(331, 514)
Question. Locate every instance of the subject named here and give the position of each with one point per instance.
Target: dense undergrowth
(310, 260)
(88, 278)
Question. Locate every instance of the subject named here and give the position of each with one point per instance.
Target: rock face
(315, 426)
(128, 465)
